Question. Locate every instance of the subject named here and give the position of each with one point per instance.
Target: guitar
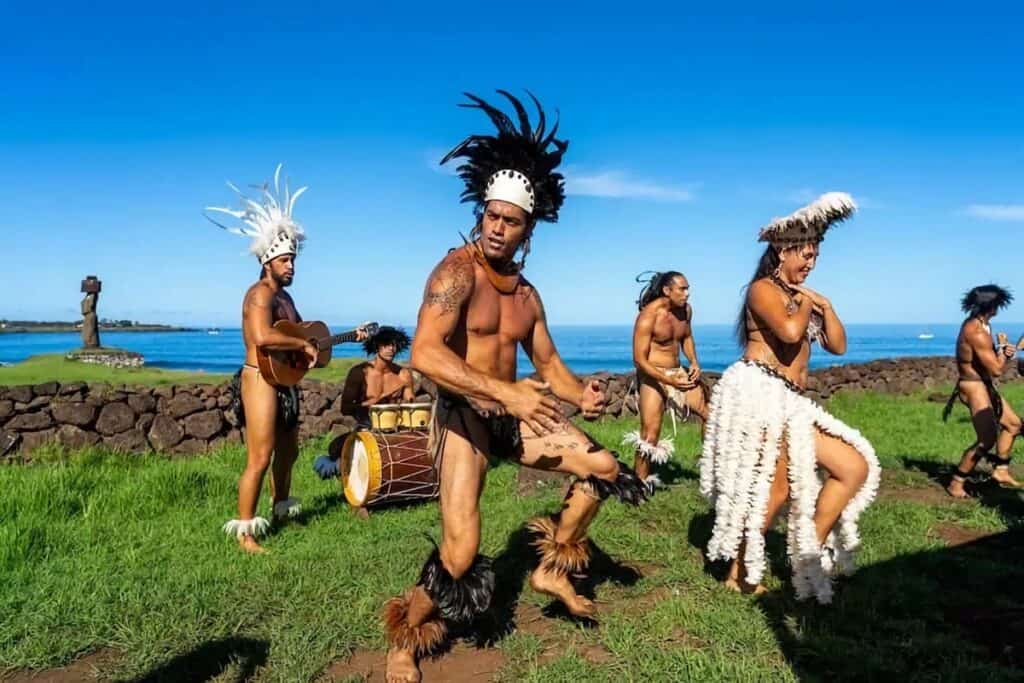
(287, 368)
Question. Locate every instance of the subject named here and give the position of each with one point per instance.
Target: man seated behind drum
(380, 380)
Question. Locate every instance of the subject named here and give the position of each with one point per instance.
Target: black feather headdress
(985, 300)
(520, 156)
(387, 335)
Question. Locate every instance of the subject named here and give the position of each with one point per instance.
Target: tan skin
(387, 381)
(466, 341)
(977, 359)
(777, 331)
(265, 303)
(662, 329)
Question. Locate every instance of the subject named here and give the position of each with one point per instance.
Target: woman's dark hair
(655, 284)
(985, 300)
(766, 266)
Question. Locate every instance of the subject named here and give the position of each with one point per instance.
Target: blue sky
(688, 131)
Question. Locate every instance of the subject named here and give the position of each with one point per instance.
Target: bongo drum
(416, 415)
(385, 417)
(381, 469)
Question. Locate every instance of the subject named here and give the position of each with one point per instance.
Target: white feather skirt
(751, 412)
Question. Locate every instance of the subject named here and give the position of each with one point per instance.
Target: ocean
(585, 349)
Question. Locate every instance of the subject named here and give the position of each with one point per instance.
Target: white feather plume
(255, 527)
(265, 221)
(809, 223)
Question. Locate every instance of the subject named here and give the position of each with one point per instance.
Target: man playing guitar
(269, 413)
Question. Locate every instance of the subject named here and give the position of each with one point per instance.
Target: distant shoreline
(58, 328)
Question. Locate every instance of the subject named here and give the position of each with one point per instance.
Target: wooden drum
(386, 417)
(416, 415)
(385, 468)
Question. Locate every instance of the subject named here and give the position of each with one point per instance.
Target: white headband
(511, 186)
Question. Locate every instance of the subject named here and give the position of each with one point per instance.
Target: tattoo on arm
(448, 286)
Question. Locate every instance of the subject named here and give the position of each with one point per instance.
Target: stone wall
(190, 419)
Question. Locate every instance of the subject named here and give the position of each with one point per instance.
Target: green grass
(106, 552)
(53, 367)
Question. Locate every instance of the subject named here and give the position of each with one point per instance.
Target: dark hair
(387, 335)
(766, 266)
(655, 284)
(985, 300)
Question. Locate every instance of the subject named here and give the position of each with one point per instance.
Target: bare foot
(745, 588)
(249, 545)
(401, 667)
(1002, 476)
(558, 586)
(956, 489)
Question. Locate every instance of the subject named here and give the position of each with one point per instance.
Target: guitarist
(270, 414)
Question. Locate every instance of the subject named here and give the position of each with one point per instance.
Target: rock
(340, 429)
(38, 402)
(72, 388)
(145, 422)
(22, 394)
(163, 392)
(46, 389)
(6, 408)
(313, 403)
(234, 436)
(204, 425)
(132, 441)
(209, 403)
(190, 447)
(73, 413)
(180, 405)
(613, 408)
(224, 400)
(115, 418)
(142, 403)
(71, 436)
(165, 433)
(569, 410)
(312, 427)
(32, 440)
(8, 442)
(29, 422)
(332, 392)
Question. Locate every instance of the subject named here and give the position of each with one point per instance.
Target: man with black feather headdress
(477, 309)
(979, 361)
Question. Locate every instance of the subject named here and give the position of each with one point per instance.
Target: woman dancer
(766, 443)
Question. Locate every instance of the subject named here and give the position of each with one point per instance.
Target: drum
(385, 417)
(416, 415)
(381, 469)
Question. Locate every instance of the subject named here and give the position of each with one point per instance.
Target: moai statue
(90, 326)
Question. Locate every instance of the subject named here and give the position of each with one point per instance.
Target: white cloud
(997, 212)
(617, 184)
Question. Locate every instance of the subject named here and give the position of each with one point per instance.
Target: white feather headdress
(810, 223)
(269, 222)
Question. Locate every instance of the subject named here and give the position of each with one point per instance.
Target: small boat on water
(926, 335)
(213, 330)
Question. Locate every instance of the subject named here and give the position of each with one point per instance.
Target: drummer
(379, 380)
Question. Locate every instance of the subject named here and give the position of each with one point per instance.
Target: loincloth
(994, 397)
(288, 399)
(505, 439)
(675, 398)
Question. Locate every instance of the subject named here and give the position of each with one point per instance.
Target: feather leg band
(421, 639)
(459, 600)
(571, 557)
(626, 486)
